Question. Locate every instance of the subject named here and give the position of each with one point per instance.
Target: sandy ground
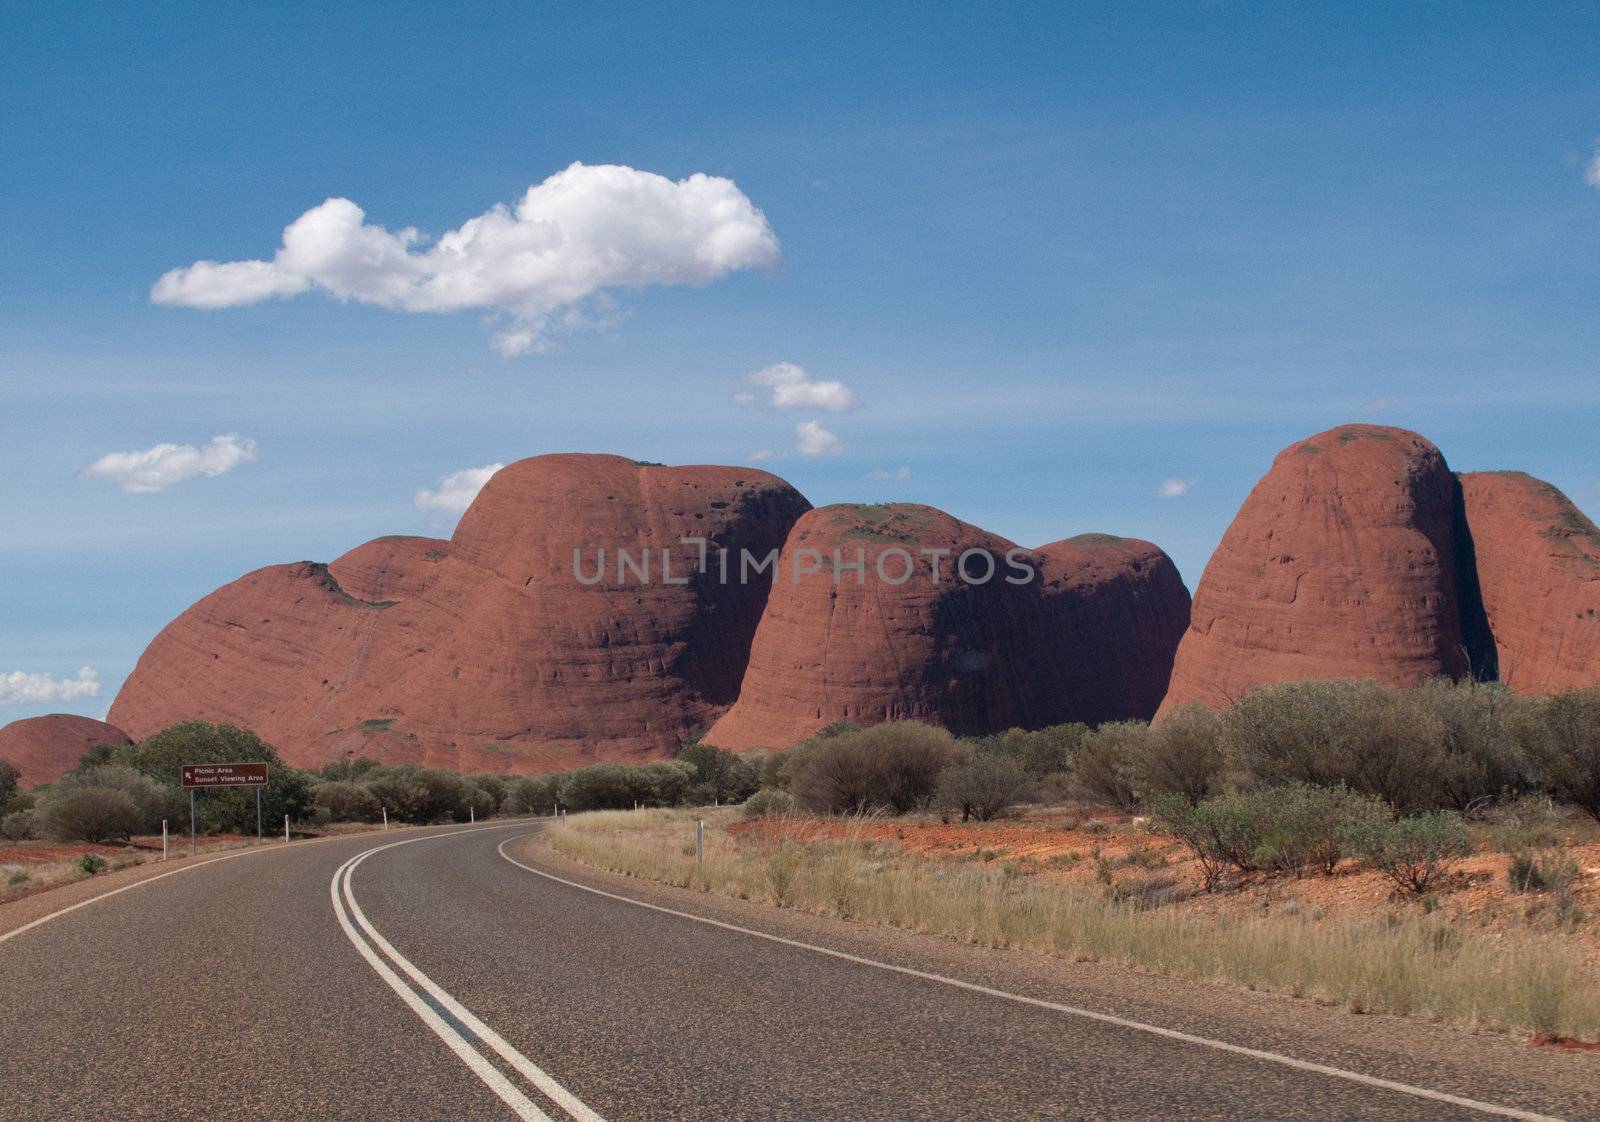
(1089, 849)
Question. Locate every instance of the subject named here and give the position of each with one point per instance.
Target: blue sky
(1058, 257)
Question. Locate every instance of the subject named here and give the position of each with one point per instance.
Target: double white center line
(462, 1032)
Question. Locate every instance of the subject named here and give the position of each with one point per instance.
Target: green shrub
(1477, 757)
(1561, 737)
(347, 802)
(720, 776)
(622, 786)
(1046, 751)
(1220, 832)
(497, 787)
(19, 825)
(983, 787)
(8, 785)
(1550, 872)
(1180, 755)
(530, 794)
(1102, 769)
(766, 802)
(101, 804)
(420, 795)
(477, 801)
(892, 767)
(1414, 852)
(1282, 829)
(91, 814)
(91, 863)
(1531, 822)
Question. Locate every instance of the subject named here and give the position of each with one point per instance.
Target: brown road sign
(224, 775)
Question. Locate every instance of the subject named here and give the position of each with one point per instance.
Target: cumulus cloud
(19, 688)
(811, 439)
(156, 469)
(790, 387)
(901, 472)
(582, 230)
(1591, 174)
(455, 491)
(760, 454)
(1172, 488)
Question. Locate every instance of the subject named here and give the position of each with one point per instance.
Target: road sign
(224, 775)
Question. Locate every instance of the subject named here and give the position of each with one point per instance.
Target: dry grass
(1401, 961)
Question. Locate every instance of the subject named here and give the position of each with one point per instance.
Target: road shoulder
(1492, 1067)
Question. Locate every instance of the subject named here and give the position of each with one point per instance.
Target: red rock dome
(42, 749)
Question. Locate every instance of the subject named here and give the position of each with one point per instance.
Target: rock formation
(1342, 563)
(874, 616)
(42, 749)
(491, 651)
(1538, 570)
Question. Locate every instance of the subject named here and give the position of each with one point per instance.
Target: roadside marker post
(285, 827)
(163, 839)
(191, 823)
(699, 841)
(386, 820)
(472, 814)
(258, 814)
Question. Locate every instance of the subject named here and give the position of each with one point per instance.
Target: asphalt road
(424, 975)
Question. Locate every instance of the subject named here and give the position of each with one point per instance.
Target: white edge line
(482, 1068)
(536, 1075)
(1070, 1010)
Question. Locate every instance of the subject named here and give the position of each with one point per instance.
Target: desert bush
(1180, 755)
(91, 814)
(720, 776)
(101, 804)
(497, 787)
(1414, 852)
(1476, 759)
(892, 767)
(19, 825)
(1547, 872)
(1303, 825)
(1531, 822)
(347, 802)
(1046, 751)
(1354, 733)
(767, 801)
(1561, 738)
(1282, 829)
(477, 801)
(1102, 769)
(530, 794)
(91, 863)
(9, 778)
(983, 787)
(1220, 832)
(420, 795)
(621, 787)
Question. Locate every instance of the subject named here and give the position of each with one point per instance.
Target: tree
(1561, 737)
(1102, 770)
(8, 785)
(1182, 754)
(162, 756)
(891, 767)
(982, 787)
(348, 802)
(719, 775)
(101, 804)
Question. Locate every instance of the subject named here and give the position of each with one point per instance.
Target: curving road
(458, 973)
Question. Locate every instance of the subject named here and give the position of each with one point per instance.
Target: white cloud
(580, 231)
(1172, 488)
(761, 454)
(811, 439)
(1591, 174)
(901, 472)
(456, 490)
(19, 688)
(156, 469)
(793, 388)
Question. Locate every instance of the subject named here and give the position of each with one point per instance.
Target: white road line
(1070, 1010)
(363, 930)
